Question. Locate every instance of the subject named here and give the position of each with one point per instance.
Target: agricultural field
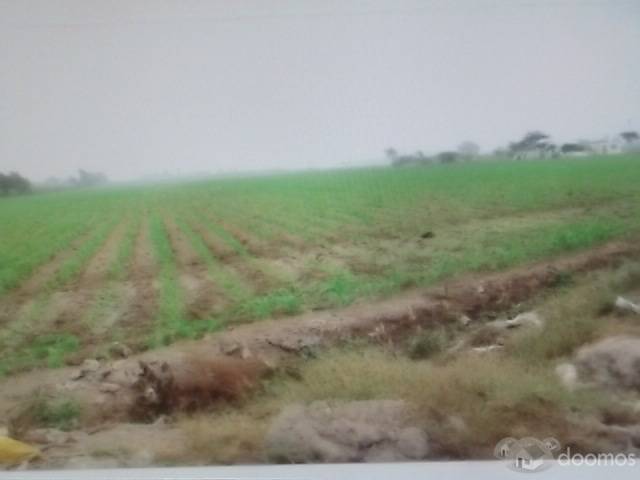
(149, 265)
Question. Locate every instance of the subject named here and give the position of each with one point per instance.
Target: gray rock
(90, 365)
(464, 320)
(362, 431)
(568, 375)
(487, 349)
(527, 319)
(120, 350)
(625, 305)
(613, 362)
(106, 387)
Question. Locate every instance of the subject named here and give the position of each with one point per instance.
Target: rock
(120, 350)
(371, 430)
(625, 305)
(297, 344)
(568, 375)
(89, 366)
(106, 387)
(464, 320)
(231, 348)
(245, 352)
(487, 349)
(613, 362)
(527, 319)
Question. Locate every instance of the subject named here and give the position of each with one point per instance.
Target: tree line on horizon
(15, 184)
(533, 144)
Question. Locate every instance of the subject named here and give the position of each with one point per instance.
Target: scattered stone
(231, 348)
(106, 387)
(487, 349)
(625, 305)
(613, 362)
(245, 352)
(295, 345)
(464, 320)
(120, 350)
(361, 431)
(568, 375)
(527, 319)
(90, 365)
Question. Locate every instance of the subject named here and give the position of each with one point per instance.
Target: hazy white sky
(135, 87)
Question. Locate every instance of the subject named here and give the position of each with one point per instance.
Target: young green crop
(298, 241)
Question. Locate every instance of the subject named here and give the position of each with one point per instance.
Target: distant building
(603, 146)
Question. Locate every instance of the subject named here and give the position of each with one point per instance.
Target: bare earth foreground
(451, 369)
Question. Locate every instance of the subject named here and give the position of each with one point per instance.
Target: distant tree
(630, 136)
(14, 183)
(89, 179)
(573, 148)
(391, 153)
(468, 149)
(532, 142)
(447, 157)
(4, 184)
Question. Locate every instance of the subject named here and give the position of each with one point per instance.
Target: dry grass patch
(578, 316)
(223, 438)
(488, 397)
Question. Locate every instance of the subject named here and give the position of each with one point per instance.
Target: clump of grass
(427, 344)
(571, 320)
(43, 412)
(494, 395)
(287, 301)
(227, 437)
(626, 278)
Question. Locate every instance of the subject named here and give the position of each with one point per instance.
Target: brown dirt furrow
(278, 341)
(223, 252)
(15, 300)
(97, 269)
(202, 296)
(137, 315)
(67, 307)
(242, 266)
(255, 247)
